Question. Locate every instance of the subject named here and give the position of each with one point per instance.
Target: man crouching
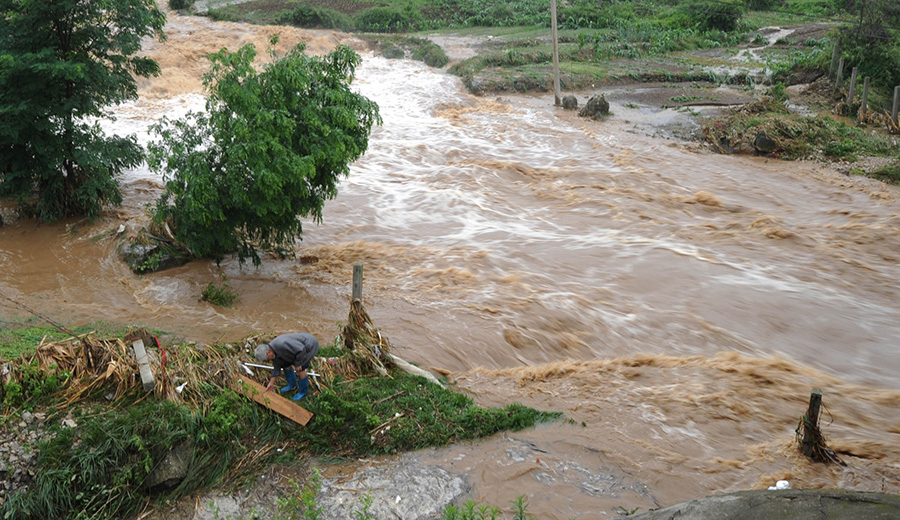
(289, 351)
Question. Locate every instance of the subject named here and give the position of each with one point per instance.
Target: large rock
(570, 102)
(764, 144)
(789, 504)
(172, 469)
(597, 108)
(150, 257)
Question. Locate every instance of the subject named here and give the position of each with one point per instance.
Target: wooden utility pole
(863, 107)
(556, 93)
(835, 52)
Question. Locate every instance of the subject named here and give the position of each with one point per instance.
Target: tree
(269, 149)
(873, 42)
(62, 63)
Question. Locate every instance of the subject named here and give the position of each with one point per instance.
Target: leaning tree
(63, 63)
(268, 150)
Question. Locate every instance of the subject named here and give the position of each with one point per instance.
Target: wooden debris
(271, 400)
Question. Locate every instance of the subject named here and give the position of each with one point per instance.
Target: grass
(100, 469)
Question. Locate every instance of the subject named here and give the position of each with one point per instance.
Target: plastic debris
(780, 485)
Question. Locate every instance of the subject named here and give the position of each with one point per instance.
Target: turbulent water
(677, 306)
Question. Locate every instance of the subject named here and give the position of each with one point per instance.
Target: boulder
(764, 144)
(570, 102)
(149, 256)
(172, 469)
(596, 108)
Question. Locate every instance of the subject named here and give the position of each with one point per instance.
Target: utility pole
(555, 54)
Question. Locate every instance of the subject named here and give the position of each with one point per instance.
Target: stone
(570, 102)
(764, 144)
(172, 468)
(596, 108)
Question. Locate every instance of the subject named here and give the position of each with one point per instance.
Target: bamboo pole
(556, 93)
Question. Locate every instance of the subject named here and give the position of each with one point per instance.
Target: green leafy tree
(270, 148)
(62, 63)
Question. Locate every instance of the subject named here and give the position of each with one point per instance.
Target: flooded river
(677, 306)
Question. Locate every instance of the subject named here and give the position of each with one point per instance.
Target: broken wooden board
(271, 400)
(140, 353)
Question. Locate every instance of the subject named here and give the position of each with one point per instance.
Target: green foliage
(712, 14)
(224, 296)
(300, 502)
(269, 149)
(32, 387)
(62, 63)
(99, 468)
(306, 15)
(366, 501)
(471, 510)
(392, 51)
(353, 418)
(432, 54)
(385, 20)
(889, 173)
(181, 4)
(763, 5)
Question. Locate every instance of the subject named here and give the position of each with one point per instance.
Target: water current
(677, 306)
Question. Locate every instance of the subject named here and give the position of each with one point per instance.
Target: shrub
(432, 54)
(392, 51)
(709, 14)
(384, 20)
(305, 15)
(181, 4)
(224, 296)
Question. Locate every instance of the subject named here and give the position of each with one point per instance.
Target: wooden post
(852, 85)
(834, 56)
(896, 104)
(357, 282)
(840, 75)
(556, 93)
(865, 101)
(810, 422)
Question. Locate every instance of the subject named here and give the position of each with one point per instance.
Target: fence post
(811, 422)
(865, 101)
(852, 85)
(896, 104)
(835, 51)
(357, 281)
(840, 75)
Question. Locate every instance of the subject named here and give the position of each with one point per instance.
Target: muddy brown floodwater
(677, 306)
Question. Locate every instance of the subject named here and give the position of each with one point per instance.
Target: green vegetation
(103, 468)
(270, 148)
(223, 296)
(62, 63)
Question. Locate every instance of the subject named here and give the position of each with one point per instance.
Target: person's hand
(269, 386)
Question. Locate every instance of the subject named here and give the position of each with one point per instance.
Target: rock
(172, 469)
(764, 144)
(148, 258)
(791, 504)
(596, 108)
(404, 489)
(570, 102)
(28, 417)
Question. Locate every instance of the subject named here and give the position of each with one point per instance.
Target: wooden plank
(140, 353)
(271, 400)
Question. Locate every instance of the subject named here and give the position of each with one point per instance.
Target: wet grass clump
(421, 49)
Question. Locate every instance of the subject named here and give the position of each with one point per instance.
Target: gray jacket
(295, 349)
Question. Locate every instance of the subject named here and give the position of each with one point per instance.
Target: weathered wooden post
(852, 85)
(896, 104)
(556, 93)
(140, 353)
(835, 51)
(357, 282)
(865, 101)
(839, 76)
(811, 423)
